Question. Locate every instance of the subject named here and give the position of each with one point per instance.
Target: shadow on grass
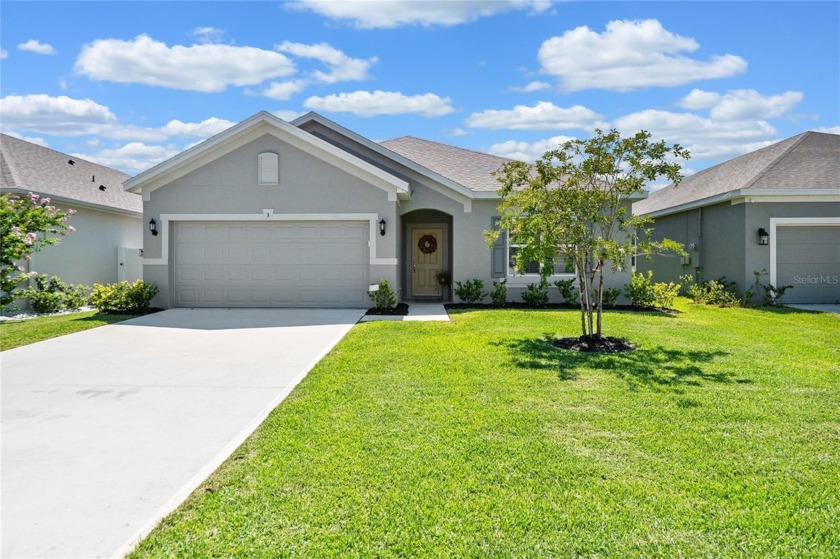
(654, 367)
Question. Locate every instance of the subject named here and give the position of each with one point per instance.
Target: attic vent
(267, 171)
(102, 187)
(71, 162)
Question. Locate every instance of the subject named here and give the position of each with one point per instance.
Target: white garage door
(808, 258)
(271, 264)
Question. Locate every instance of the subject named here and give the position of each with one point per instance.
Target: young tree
(27, 224)
(572, 204)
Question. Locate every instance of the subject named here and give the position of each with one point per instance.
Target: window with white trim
(561, 264)
(267, 168)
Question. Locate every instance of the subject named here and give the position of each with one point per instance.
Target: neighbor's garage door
(808, 258)
(279, 264)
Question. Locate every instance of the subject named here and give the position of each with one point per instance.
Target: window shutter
(267, 168)
(498, 254)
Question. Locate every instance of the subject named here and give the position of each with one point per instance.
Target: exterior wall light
(382, 227)
(763, 236)
(153, 227)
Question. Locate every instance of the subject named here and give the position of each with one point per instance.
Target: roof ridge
(785, 153)
(449, 146)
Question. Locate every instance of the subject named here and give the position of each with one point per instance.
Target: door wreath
(427, 244)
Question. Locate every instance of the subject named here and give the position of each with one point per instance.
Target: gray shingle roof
(471, 169)
(808, 161)
(29, 167)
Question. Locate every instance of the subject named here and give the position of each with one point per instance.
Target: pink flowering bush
(27, 224)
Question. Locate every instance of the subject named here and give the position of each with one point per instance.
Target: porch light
(763, 236)
(153, 227)
(382, 227)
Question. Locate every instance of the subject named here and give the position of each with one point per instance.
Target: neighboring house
(276, 214)
(105, 247)
(786, 195)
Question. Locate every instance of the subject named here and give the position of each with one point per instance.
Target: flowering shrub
(27, 224)
(52, 295)
(123, 296)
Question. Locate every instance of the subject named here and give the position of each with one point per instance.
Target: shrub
(568, 291)
(640, 289)
(611, 296)
(499, 293)
(536, 294)
(470, 291)
(664, 294)
(719, 293)
(773, 294)
(384, 297)
(123, 296)
(52, 295)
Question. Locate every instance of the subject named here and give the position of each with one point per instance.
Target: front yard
(14, 333)
(718, 437)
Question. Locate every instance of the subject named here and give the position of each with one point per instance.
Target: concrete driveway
(107, 430)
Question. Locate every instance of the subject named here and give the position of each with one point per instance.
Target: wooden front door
(426, 261)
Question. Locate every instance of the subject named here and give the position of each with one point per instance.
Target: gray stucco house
(108, 221)
(775, 209)
(309, 213)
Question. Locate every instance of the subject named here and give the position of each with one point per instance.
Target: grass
(19, 333)
(718, 437)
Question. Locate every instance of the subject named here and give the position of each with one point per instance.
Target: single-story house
(776, 209)
(105, 246)
(276, 214)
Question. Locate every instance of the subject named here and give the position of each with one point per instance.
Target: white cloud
(204, 129)
(741, 103)
(208, 35)
(525, 151)
(393, 13)
(33, 45)
(282, 91)
(287, 115)
(532, 86)
(542, 116)
(31, 139)
(133, 157)
(630, 55)
(374, 103)
(205, 67)
(342, 67)
(457, 132)
(828, 129)
(4, 54)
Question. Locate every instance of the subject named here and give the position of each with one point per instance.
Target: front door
(426, 261)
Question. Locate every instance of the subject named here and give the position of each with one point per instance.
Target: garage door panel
(808, 258)
(271, 264)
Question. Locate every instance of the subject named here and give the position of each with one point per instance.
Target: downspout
(698, 272)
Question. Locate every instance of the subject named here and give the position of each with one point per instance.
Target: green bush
(123, 296)
(470, 291)
(611, 296)
(568, 291)
(384, 297)
(643, 292)
(50, 294)
(499, 293)
(536, 294)
(718, 293)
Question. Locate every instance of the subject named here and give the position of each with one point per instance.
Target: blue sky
(129, 84)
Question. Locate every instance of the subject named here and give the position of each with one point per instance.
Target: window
(267, 164)
(561, 264)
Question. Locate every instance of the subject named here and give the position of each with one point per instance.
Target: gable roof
(249, 129)
(27, 167)
(802, 164)
(469, 168)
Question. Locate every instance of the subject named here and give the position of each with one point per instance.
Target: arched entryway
(427, 255)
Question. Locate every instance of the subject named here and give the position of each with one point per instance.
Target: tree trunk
(600, 296)
(589, 277)
(581, 287)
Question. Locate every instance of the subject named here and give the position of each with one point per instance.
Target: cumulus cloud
(31, 139)
(630, 55)
(342, 68)
(741, 103)
(287, 115)
(828, 129)
(282, 91)
(33, 45)
(373, 14)
(203, 67)
(531, 86)
(374, 103)
(131, 158)
(542, 116)
(208, 35)
(525, 151)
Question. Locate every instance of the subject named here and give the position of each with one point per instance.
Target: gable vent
(267, 168)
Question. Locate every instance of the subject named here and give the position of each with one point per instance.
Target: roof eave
(65, 200)
(742, 193)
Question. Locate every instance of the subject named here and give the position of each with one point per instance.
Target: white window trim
(267, 215)
(525, 279)
(776, 222)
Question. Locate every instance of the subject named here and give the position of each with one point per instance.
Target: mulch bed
(605, 344)
(400, 310)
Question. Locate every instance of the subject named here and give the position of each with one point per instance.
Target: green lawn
(17, 333)
(718, 437)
